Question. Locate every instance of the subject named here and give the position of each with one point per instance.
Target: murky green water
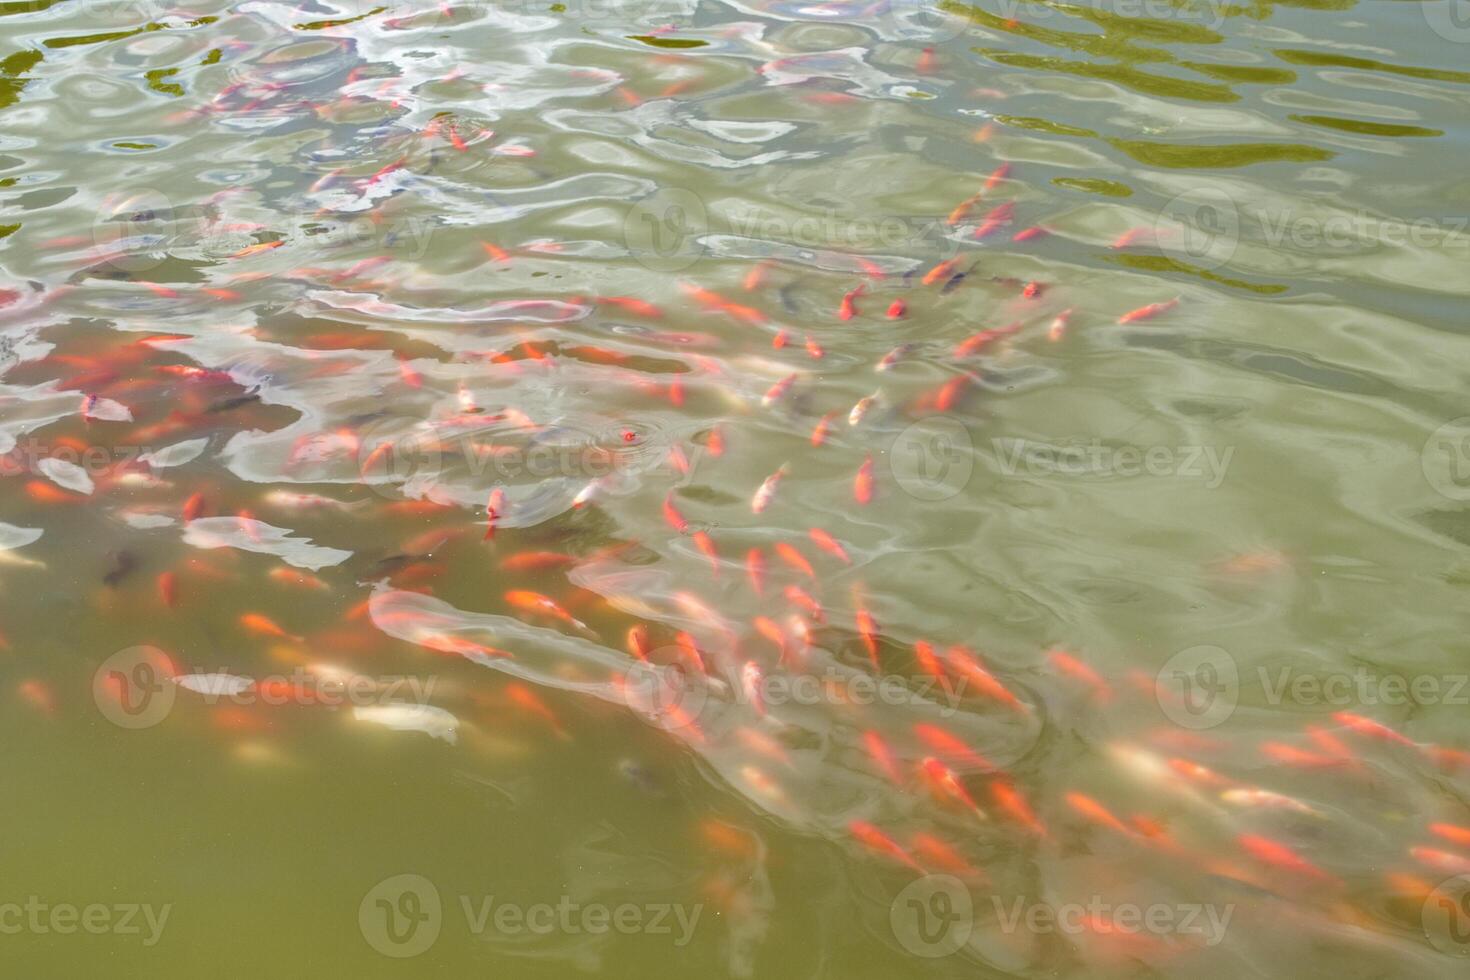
(665, 489)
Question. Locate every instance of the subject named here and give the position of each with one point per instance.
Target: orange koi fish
(706, 545)
(943, 780)
(535, 602)
(1011, 801)
(525, 698)
(1278, 855)
(975, 342)
(168, 589)
(940, 856)
(877, 841)
(795, 559)
(862, 484)
(940, 271)
(1455, 864)
(1148, 312)
(672, 516)
(755, 570)
(950, 745)
(819, 431)
(1371, 728)
(965, 663)
(882, 757)
(536, 561)
(257, 623)
(1097, 813)
(494, 511)
(995, 219)
(256, 249)
(1073, 667)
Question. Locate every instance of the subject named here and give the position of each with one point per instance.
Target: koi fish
(896, 310)
(1148, 312)
(536, 561)
(819, 431)
(1371, 728)
(535, 602)
(795, 559)
(672, 516)
(860, 410)
(829, 544)
(755, 570)
(494, 511)
(256, 249)
(777, 391)
(881, 756)
(1097, 813)
(1278, 855)
(526, 699)
(1070, 665)
(939, 272)
(1456, 864)
(952, 746)
(756, 276)
(939, 855)
(1451, 832)
(877, 841)
(799, 596)
(929, 663)
(1058, 326)
(976, 341)
(257, 623)
(862, 484)
(943, 779)
(966, 665)
(847, 310)
(767, 490)
(752, 685)
(893, 357)
(1013, 803)
(706, 546)
(995, 219)
(1265, 798)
